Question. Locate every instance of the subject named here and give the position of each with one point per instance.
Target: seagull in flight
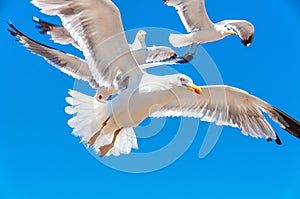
(107, 126)
(201, 29)
(141, 52)
(75, 66)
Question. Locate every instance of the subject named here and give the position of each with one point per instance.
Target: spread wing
(58, 33)
(160, 53)
(192, 13)
(69, 64)
(97, 28)
(230, 107)
(244, 28)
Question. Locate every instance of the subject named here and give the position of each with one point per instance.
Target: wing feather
(230, 106)
(67, 63)
(192, 13)
(97, 28)
(58, 33)
(160, 53)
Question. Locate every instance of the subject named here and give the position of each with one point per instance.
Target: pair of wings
(194, 17)
(220, 104)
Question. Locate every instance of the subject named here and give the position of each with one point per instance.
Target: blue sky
(41, 159)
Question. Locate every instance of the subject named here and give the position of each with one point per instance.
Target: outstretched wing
(97, 28)
(58, 33)
(69, 64)
(160, 53)
(244, 28)
(192, 13)
(230, 107)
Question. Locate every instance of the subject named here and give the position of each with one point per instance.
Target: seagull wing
(244, 28)
(160, 53)
(192, 13)
(58, 33)
(69, 64)
(230, 107)
(97, 28)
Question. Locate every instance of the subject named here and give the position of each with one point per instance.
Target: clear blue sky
(41, 159)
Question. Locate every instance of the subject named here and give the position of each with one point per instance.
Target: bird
(202, 30)
(107, 126)
(141, 52)
(70, 64)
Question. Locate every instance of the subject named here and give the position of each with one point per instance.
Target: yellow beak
(143, 34)
(233, 33)
(196, 89)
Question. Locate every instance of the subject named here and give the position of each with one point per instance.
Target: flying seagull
(108, 126)
(70, 64)
(202, 30)
(141, 52)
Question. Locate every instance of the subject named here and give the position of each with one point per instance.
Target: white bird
(141, 52)
(70, 64)
(107, 126)
(202, 30)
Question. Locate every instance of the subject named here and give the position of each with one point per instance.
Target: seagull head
(226, 30)
(186, 82)
(141, 35)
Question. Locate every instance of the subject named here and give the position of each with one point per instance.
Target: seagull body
(201, 29)
(108, 125)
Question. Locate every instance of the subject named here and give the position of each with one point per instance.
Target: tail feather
(180, 40)
(88, 116)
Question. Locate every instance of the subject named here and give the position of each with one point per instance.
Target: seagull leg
(104, 149)
(191, 56)
(187, 57)
(188, 51)
(93, 139)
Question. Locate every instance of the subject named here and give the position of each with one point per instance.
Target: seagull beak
(143, 34)
(196, 89)
(233, 33)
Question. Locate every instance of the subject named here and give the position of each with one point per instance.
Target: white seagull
(141, 52)
(107, 126)
(202, 30)
(72, 65)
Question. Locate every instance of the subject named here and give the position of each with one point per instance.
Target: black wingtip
(277, 140)
(288, 123)
(14, 32)
(165, 1)
(248, 41)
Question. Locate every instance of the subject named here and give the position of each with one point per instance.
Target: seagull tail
(88, 117)
(180, 40)
(285, 121)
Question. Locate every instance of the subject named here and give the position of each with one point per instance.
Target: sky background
(41, 159)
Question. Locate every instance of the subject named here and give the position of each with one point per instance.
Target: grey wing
(160, 53)
(97, 28)
(244, 28)
(58, 33)
(230, 107)
(69, 64)
(192, 13)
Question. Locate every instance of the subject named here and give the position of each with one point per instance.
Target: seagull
(202, 30)
(70, 64)
(107, 126)
(141, 52)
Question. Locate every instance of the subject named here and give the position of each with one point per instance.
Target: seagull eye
(228, 28)
(182, 79)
